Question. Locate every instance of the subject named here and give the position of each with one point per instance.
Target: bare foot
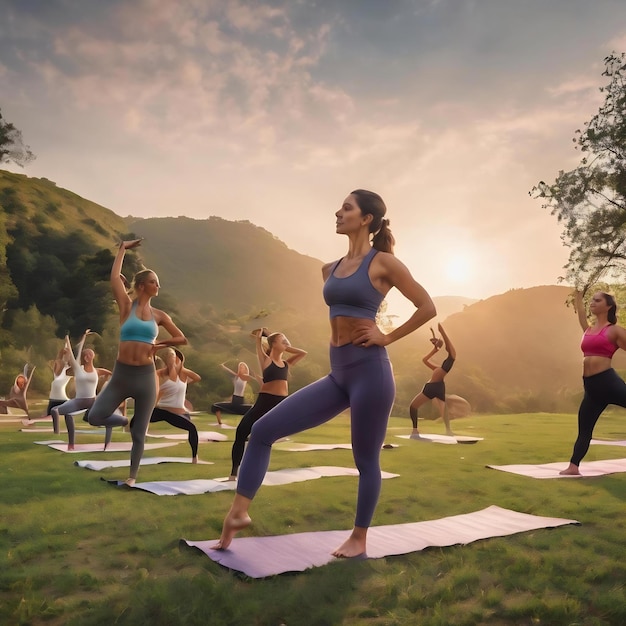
(130, 482)
(570, 470)
(70, 446)
(232, 524)
(231, 478)
(352, 547)
(418, 436)
(194, 460)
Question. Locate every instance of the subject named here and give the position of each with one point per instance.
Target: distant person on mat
(274, 388)
(361, 378)
(134, 373)
(86, 378)
(170, 407)
(601, 383)
(58, 386)
(17, 394)
(435, 389)
(236, 405)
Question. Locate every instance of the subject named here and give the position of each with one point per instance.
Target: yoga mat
(307, 447)
(278, 477)
(447, 439)
(114, 446)
(608, 442)
(100, 465)
(28, 422)
(203, 436)
(258, 557)
(551, 470)
(51, 430)
(223, 425)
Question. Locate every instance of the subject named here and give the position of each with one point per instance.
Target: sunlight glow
(459, 268)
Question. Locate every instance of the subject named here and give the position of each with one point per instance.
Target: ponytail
(383, 240)
(611, 315)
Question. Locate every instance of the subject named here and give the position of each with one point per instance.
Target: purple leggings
(360, 379)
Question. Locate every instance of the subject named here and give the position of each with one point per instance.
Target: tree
(12, 146)
(590, 200)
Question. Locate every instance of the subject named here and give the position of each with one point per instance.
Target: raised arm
(224, 367)
(450, 349)
(297, 355)
(579, 307)
(426, 359)
(189, 376)
(70, 353)
(117, 282)
(260, 353)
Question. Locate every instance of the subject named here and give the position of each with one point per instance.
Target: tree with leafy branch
(590, 200)
(12, 146)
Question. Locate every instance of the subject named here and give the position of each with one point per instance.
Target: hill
(517, 351)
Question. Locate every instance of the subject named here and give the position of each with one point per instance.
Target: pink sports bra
(598, 344)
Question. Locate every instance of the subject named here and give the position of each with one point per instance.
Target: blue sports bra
(135, 329)
(354, 295)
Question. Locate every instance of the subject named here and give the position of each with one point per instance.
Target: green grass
(75, 550)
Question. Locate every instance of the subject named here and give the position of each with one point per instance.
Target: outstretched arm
(70, 354)
(449, 347)
(579, 307)
(224, 367)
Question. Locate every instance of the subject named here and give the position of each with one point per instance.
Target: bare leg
(443, 414)
(570, 470)
(218, 415)
(354, 545)
(236, 519)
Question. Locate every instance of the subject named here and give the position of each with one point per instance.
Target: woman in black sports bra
(274, 388)
(435, 388)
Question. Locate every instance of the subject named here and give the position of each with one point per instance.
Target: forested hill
(229, 266)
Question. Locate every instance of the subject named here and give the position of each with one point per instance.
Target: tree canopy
(590, 200)
(12, 146)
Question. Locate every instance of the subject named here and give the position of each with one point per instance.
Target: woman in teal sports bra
(134, 373)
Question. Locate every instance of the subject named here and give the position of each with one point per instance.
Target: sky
(273, 111)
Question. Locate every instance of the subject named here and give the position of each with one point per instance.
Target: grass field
(76, 550)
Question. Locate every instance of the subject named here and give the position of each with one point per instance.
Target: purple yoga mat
(259, 557)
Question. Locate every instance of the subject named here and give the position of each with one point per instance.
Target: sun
(459, 268)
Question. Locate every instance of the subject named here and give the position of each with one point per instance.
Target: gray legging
(73, 406)
(128, 381)
(360, 379)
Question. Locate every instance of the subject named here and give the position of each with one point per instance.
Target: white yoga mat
(51, 430)
(114, 446)
(223, 426)
(100, 465)
(307, 447)
(258, 557)
(203, 436)
(551, 470)
(447, 439)
(278, 477)
(608, 442)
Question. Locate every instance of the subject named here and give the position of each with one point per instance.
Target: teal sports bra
(135, 329)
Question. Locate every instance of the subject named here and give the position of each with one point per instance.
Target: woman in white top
(236, 405)
(58, 387)
(86, 378)
(170, 407)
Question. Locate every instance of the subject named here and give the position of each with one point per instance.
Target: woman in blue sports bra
(134, 373)
(601, 383)
(361, 378)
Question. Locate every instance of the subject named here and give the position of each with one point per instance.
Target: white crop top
(240, 386)
(86, 382)
(59, 383)
(172, 394)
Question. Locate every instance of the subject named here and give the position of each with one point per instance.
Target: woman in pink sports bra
(601, 383)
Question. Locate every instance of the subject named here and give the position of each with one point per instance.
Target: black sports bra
(273, 372)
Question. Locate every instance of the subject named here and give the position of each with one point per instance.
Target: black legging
(600, 390)
(182, 421)
(264, 403)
